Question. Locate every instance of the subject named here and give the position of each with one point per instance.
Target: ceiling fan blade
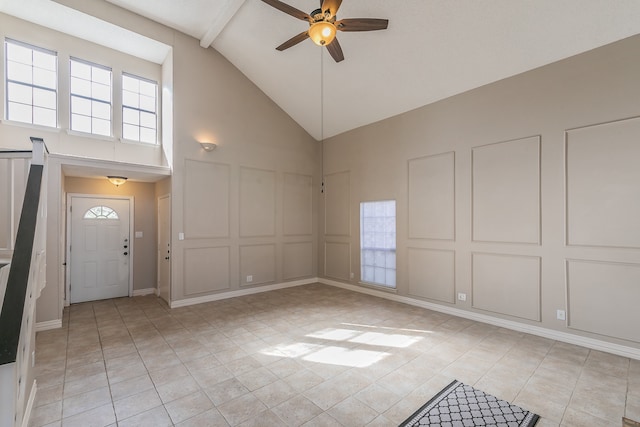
(335, 50)
(290, 10)
(293, 41)
(331, 5)
(362, 24)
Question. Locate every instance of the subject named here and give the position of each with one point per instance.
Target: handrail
(18, 280)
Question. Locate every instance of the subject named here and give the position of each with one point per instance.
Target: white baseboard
(49, 324)
(143, 292)
(241, 292)
(27, 410)
(592, 343)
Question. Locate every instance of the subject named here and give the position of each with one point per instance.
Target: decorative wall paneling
(507, 284)
(506, 191)
(432, 274)
(257, 213)
(432, 197)
(206, 270)
(206, 200)
(259, 262)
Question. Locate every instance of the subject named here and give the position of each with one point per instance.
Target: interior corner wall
(522, 194)
(247, 210)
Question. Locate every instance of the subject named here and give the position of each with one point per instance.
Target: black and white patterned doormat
(460, 405)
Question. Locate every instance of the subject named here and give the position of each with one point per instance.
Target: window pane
(101, 110)
(148, 89)
(80, 87)
(101, 127)
(44, 116)
(81, 70)
(44, 78)
(20, 112)
(80, 106)
(130, 99)
(44, 60)
(378, 242)
(19, 53)
(130, 116)
(147, 120)
(148, 135)
(19, 72)
(147, 103)
(102, 76)
(81, 123)
(19, 93)
(34, 100)
(130, 84)
(130, 132)
(90, 98)
(139, 104)
(101, 92)
(44, 98)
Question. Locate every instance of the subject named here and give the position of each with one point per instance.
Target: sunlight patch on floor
(345, 356)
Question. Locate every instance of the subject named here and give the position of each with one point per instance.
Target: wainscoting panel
(432, 197)
(13, 181)
(603, 298)
(507, 284)
(206, 200)
(298, 260)
(432, 274)
(257, 202)
(603, 184)
(258, 261)
(506, 191)
(206, 270)
(337, 203)
(298, 205)
(337, 260)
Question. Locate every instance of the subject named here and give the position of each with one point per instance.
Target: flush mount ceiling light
(117, 180)
(208, 146)
(323, 25)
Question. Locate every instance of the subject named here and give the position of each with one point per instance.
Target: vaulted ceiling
(432, 49)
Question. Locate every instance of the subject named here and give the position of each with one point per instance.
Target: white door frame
(159, 251)
(68, 244)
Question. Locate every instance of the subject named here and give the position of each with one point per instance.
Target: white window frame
(139, 110)
(33, 86)
(378, 243)
(92, 99)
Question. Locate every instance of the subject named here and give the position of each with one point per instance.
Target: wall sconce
(208, 146)
(117, 180)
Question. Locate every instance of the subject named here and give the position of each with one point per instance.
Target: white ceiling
(432, 49)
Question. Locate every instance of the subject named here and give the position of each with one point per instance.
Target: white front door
(164, 247)
(100, 248)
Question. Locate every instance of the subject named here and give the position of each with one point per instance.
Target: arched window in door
(100, 212)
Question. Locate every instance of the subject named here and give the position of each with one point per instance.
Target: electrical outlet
(561, 315)
(249, 279)
(462, 296)
(352, 275)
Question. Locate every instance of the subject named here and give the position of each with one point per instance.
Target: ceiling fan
(323, 25)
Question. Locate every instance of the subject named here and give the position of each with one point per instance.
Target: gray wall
(247, 208)
(522, 194)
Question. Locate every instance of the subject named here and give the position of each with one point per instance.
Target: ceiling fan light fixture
(322, 33)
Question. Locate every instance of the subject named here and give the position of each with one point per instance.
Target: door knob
(126, 253)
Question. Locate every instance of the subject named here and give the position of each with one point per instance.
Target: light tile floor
(312, 355)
